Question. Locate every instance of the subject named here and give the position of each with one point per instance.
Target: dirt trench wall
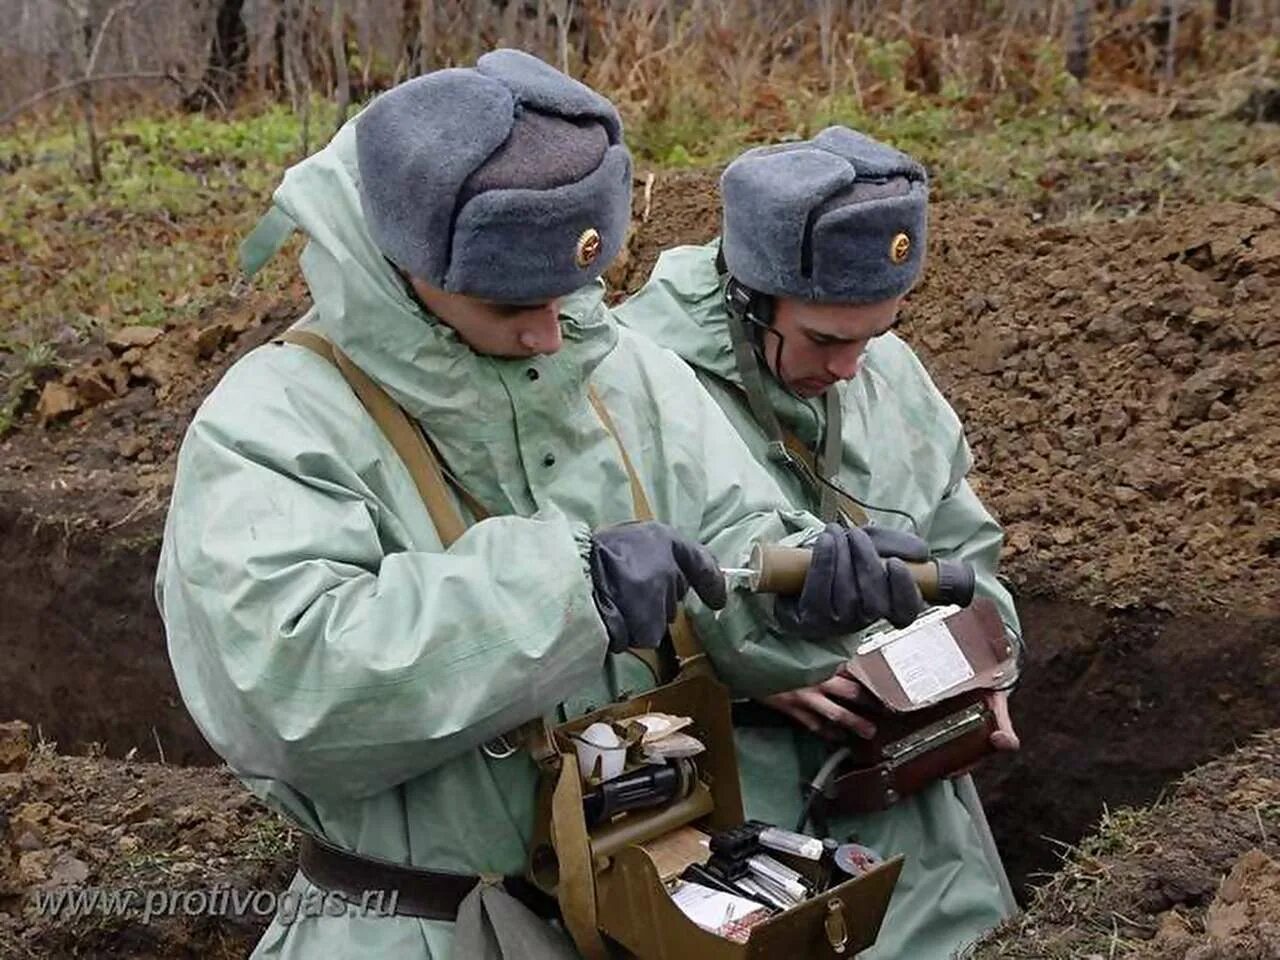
(1196, 877)
(1113, 706)
(84, 653)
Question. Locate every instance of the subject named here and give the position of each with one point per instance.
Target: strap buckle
(500, 747)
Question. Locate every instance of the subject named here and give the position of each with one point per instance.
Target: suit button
(549, 460)
(531, 373)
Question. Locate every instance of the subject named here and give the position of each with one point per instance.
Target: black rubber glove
(857, 576)
(640, 572)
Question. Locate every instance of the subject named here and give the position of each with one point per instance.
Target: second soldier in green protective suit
(787, 321)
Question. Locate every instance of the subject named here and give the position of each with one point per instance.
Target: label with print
(927, 662)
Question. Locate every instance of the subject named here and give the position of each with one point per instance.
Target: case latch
(837, 930)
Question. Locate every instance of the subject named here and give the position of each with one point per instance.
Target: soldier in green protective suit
(786, 320)
(354, 667)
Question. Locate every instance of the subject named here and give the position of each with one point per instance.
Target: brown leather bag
(930, 683)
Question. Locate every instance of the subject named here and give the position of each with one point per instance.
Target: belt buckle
(500, 748)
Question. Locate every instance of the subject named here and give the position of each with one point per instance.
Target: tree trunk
(302, 69)
(230, 47)
(1078, 48)
(296, 71)
(587, 44)
(95, 151)
(283, 80)
(426, 34)
(364, 44)
(228, 60)
(562, 10)
(410, 36)
(1169, 14)
(87, 30)
(338, 44)
(826, 26)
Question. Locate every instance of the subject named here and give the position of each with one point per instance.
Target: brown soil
(1112, 708)
(1117, 382)
(85, 656)
(1194, 878)
(96, 452)
(82, 501)
(120, 826)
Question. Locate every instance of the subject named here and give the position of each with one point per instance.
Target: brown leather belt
(428, 894)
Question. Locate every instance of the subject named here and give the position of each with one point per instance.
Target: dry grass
(978, 90)
(1095, 905)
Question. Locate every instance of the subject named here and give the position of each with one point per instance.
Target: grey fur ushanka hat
(507, 181)
(841, 218)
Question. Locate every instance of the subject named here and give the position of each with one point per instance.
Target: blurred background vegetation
(140, 139)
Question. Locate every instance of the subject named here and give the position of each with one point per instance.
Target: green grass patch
(156, 241)
(268, 839)
(152, 244)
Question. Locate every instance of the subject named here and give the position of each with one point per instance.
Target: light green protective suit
(346, 666)
(903, 447)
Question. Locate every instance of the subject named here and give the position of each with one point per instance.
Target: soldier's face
(495, 329)
(822, 343)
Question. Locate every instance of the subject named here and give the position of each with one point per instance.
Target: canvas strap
(845, 504)
(403, 435)
(576, 892)
(688, 648)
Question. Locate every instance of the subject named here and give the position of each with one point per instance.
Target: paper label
(883, 638)
(927, 662)
(721, 913)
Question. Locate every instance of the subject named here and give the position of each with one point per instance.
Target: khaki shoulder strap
(639, 498)
(684, 639)
(805, 465)
(403, 435)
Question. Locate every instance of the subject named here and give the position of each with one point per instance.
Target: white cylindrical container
(599, 742)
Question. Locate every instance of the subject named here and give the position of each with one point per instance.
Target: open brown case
(609, 880)
(930, 683)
